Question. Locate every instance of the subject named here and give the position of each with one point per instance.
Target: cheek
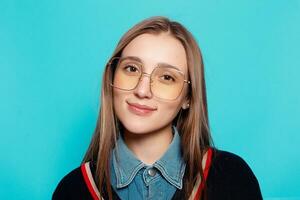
(170, 110)
(117, 103)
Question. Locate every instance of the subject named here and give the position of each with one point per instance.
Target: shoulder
(232, 177)
(72, 186)
(228, 161)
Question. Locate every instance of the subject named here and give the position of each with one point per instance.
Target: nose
(143, 89)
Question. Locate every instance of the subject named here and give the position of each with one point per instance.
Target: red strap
(206, 170)
(88, 182)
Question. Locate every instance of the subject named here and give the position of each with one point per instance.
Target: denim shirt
(132, 179)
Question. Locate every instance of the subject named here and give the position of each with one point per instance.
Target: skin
(148, 137)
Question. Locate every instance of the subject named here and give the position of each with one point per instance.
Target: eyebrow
(161, 64)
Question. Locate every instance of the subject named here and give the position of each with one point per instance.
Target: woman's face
(151, 50)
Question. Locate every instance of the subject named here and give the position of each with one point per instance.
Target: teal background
(52, 55)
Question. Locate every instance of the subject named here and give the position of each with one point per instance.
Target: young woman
(152, 139)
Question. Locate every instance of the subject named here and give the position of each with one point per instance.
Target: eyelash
(130, 66)
(169, 77)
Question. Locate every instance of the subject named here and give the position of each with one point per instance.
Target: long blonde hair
(192, 123)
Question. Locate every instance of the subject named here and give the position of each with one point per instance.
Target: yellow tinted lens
(167, 83)
(127, 75)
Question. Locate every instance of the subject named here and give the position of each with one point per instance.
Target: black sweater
(229, 178)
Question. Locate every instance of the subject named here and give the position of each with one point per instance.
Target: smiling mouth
(140, 109)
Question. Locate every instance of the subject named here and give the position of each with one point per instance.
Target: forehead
(154, 49)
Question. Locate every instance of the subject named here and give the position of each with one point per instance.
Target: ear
(186, 104)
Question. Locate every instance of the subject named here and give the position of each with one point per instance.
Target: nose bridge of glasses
(147, 75)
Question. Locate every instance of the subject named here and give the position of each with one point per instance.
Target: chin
(141, 127)
(137, 127)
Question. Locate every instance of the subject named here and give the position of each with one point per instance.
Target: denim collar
(171, 164)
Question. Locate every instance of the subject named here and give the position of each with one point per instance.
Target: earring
(185, 107)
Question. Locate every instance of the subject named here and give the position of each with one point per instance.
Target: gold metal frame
(149, 75)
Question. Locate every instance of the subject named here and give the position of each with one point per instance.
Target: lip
(140, 109)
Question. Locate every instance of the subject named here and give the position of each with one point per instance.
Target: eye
(168, 78)
(131, 68)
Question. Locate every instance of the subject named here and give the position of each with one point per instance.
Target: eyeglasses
(166, 81)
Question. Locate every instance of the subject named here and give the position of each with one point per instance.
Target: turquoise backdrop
(52, 55)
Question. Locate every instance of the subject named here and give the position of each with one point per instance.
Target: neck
(149, 147)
